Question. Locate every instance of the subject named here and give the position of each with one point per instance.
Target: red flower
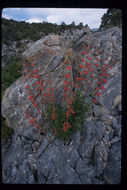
(88, 63)
(94, 100)
(97, 59)
(113, 61)
(29, 91)
(97, 89)
(80, 73)
(27, 70)
(85, 72)
(88, 58)
(101, 79)
(67, 76)
(85, 47)
(105, 65)
(35, 105)
(108, 74)
(66, 89)
(38, 127)
(82, 60)
(25, 65)
(65, 95)
(78, 78)
(66, 126)
(53, 95)
(32, 65)
(89, 83)
(102, 87)
(98, 93)
(99, 82)
(102, 74)
(38, 82)
(44, 94)
(65, 61)
(106, 59)
(90, 69)
(110, 67)
(92, 76)
(84, 52)
(69, 67)
(104, 69)
(81, 66)
(105, 81)
(31, 97)
(28, 117)
(96, 65)
(42, 88)
(35, 71)
(29, 76)
(84, 78)
(27, 86)
(36, 76)
(53, 116)
(66, 82)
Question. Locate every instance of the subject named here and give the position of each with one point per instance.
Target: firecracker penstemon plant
(65, 119)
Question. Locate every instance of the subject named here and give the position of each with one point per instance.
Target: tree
(112, 17)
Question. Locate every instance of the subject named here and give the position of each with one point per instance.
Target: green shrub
(11, 72)
(80, 108)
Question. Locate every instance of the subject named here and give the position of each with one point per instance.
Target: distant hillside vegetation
(16, 31)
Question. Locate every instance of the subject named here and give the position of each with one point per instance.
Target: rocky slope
(93, 156)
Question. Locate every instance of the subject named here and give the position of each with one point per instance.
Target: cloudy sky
(92, 17)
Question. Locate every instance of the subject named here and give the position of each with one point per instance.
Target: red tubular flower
(80, 73)
(104, 69)
(90, 69)
(31, 97)
(36, 76)
(105, 65)
(53, 116)
(82, 60)
(66, 89)
(113, 61)
(108, 74)
(29, 91)
(25, 65)
(97, 89)
(88, 58)
(27, 86)
(29, 76)
(110, 67)
(96, 65)
(65, 61)
(81, 66)
(102, 87)
(69, 67)
(68, 114)
(32, 65)
(99, 82)
(67, 76)
(97, 59)
(38, 82)
(94, 100)
(35, 71)
(102, 74)
(78, 78)
(98, 93)
(101, 79)
(106, 59)
(89, 83)
(44, 94)
(65, 95)
(92, 76)
(85, 47)
(53, 95)
(88, 63)
(27, 70)
(38, 127)
(85, 72)
(35, 105)
(84, 78)
(28, 117)
(66, 82)
(84, 52)
(42, 88)
(105, 81)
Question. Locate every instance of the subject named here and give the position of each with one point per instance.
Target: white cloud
(6, 16)
(53, 18)
(34, 20)
(92, 17)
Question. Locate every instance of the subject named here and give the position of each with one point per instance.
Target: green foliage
(79, 107)
(16, 31)
(113, 17)
(12, 72)
(6, 131)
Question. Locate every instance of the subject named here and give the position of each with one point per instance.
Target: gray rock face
(112, 172)
(92, 156)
